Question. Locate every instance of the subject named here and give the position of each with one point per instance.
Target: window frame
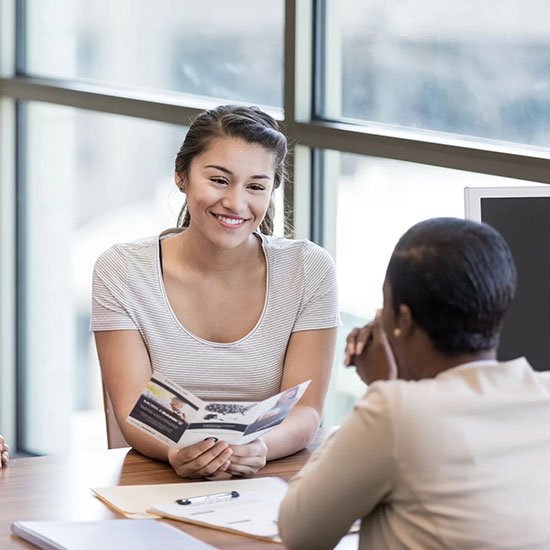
(305, 191)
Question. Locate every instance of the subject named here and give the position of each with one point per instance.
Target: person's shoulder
(303, 248)
(118, 255)
(403, 395)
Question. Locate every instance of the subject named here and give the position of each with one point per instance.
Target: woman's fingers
(248, 459)
(365, 334)
(350, 346)
(215, 464)
(357, 339)
(200, 460)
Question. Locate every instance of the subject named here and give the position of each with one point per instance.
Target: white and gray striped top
(128, 294)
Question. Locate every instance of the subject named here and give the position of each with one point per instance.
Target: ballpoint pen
(215, 497)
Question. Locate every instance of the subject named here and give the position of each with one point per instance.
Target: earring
(397, 332)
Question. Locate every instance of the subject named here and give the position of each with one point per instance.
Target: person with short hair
(449, 448)
(219, 305)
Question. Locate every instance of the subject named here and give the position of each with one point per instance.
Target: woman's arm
(126, 369)
(342, 481)
(309, 355)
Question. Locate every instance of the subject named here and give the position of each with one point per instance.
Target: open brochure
(178, 418)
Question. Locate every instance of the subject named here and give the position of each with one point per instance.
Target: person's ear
(180, 181)
(405, 321)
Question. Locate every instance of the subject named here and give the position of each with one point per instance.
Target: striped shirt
(128, 294)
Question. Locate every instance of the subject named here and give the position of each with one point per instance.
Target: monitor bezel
(473, 196)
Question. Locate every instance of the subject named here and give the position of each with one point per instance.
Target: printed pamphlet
(178, 418)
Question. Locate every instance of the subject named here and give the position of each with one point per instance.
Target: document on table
(251, 513)
(134, 500)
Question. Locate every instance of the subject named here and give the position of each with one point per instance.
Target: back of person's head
(250, 124)
(458, 278)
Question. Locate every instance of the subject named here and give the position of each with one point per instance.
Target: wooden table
(58, 488)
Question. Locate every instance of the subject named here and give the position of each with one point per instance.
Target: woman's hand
(202, 459)
(248, 459)
(369, 351)
(4, 457)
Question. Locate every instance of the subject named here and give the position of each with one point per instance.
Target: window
(467, 68)
(391, 109)
(373, 201)
(92, 180)
(227, 50)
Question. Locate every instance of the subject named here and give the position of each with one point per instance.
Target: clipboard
(134, 501)
(253, 513)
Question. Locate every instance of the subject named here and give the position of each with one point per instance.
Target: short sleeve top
(128, 294)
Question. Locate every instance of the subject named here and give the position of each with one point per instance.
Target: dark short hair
(458, 278)
(234, 121)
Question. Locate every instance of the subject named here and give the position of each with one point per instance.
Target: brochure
(178, 418)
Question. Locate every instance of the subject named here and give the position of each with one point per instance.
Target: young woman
(449, 448)
(217, 304)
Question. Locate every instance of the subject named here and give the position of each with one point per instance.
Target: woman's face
(228, 190)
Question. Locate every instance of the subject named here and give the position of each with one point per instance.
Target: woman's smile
(232, 222)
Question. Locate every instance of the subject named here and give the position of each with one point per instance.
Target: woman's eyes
(220, 180)
(256, 187)
(252, 186)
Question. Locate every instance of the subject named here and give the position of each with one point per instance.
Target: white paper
(253, 512)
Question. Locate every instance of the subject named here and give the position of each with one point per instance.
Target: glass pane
(229, 50)
(374, 201)
(472, 68)
(92, 180)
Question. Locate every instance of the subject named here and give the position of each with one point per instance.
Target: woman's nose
(234, 199)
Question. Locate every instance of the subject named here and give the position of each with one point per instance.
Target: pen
(215, 497)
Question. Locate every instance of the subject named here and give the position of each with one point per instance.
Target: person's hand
(248, 459)
(202, 459)
(369, 351)
(4, 457)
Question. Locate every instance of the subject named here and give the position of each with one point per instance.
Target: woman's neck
(201, 255)
(436, 362)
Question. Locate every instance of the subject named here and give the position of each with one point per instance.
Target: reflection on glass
(229, 50)
(377, 201)
(472, 68)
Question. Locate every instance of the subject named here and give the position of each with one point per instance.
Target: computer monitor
(522, 216)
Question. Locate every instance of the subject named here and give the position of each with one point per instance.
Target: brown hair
(232, 121)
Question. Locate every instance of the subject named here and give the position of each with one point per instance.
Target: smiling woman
(218, 304)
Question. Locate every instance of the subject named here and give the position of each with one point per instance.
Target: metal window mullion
(170, 108)
(21, 37)
(20, 273)
(317, 216)
(532, 164)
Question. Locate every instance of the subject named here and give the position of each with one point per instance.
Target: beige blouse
(459, 461)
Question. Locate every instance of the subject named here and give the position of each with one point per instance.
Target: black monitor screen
(525, 224)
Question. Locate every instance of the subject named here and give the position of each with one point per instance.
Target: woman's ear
(405, 320)
(180, 181)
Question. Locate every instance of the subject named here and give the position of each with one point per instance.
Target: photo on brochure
(178, 418)
(163, 411)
